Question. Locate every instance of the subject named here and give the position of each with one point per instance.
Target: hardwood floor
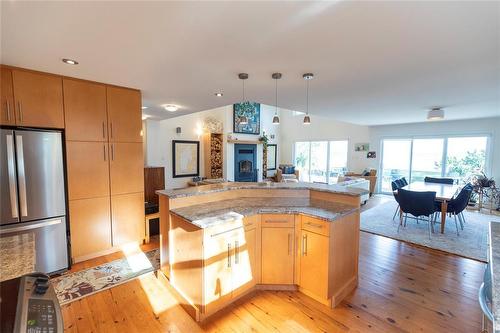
(402, 288)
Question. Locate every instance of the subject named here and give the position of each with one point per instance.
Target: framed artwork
(272, 150)
(362, 147)
(185, 158)
(371, 154)
(252, 112)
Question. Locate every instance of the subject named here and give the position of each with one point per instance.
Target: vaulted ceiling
(374, 62)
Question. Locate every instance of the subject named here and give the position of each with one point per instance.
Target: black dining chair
(395, 187)
(449, 181)
(457, 205)
(417, 204)
(404, 181)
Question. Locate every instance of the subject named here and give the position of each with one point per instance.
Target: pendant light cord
(276, 112)
(243, 91)
(307, 97)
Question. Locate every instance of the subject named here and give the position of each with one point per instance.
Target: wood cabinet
(124, 108)
(90, 226)
(38, 99)
(126, 168)
(314, 251)
(277, 249)
(85, 110)
(88, 169)
(248, 266)
(127, 216)
(7, 112)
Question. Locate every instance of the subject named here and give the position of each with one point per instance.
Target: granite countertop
(213, 188)
(494, 259)
(213, 213)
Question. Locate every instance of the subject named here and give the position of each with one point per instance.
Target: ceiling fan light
(307, 120)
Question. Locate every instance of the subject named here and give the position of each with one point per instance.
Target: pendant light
(276, 118)
(308, 77)
(243, 77)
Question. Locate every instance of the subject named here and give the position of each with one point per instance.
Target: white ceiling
(374, 62)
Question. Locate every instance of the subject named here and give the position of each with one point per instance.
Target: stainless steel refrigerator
(33, 199)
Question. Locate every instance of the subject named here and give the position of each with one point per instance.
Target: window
(454, 157)
(321, 161)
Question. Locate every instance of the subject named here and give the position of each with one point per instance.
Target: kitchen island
(219, 242)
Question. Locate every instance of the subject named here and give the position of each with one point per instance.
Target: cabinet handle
(111, 129)
(289, 245)
(228, 255)
(104, 150)
(103, 131)
(315, 225)
(8, 110)
(304, 245)
(276, 221)
(236, 253)
(112, 151)
(20, 110)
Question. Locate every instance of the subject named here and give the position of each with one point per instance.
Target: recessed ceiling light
(70, 61)
(171, 107)
(219, 94)
(144, 107)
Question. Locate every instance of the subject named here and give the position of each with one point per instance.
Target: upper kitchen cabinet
(38, 99)
(124, 114)
(7, 116)
(85, 110)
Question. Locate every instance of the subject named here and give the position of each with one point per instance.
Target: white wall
(322, 128)
(489, 126)
(159, 136)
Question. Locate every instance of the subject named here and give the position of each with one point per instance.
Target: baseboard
(345, 290)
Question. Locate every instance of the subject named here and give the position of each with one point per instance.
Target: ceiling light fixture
(171, 107)
(276, 118)
(308, 77)
(436, 113)
(243, 77)
(70, 61)
(219, 94)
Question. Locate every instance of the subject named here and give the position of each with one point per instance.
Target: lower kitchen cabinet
(90, 225)
(127, 216)
(314, 251)
(277, 255)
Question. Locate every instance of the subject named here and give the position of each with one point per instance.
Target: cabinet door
(127, 216)
(277, 255)
(7, 115)
(39, 99)
(90, 224)
(245, 264)
(126, 168)
(218, 254)
(85, 110)
(124, 114)
(88, 169)
(314, 264)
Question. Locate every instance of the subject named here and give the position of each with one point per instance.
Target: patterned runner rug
(73, 286)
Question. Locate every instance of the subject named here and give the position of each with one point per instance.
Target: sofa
(371, 176)
(287, 174)
(355, 182)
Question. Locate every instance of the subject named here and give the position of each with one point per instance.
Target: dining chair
(395, 187)
(404, 181)
(417, 204)
(457, 205)
(449, 181)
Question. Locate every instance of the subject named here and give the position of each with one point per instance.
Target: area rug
(471, 243)
(73, 286)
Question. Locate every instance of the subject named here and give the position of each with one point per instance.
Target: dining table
(444, 193)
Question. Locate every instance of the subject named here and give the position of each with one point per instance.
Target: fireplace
(245, 163)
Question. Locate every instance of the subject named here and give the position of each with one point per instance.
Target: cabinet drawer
(278, 220)
(251, 222)
(315, 225)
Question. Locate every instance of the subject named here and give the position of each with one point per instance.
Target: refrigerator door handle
(12, 176)
(21, 175)
(7, 230)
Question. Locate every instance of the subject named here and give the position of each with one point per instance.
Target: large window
(321, 161)
(455, 157)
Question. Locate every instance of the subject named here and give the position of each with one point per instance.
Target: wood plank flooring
(402, 288)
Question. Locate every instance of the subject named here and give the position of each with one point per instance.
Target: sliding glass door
(396, 161)
(417, 158)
